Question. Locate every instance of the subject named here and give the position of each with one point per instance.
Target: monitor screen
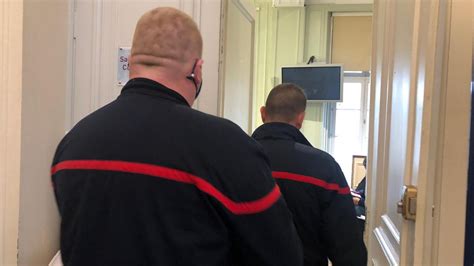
(319, 82)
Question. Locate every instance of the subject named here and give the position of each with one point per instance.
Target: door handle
(407, 205)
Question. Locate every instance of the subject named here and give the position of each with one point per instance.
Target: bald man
(147, 180)
(311, 182)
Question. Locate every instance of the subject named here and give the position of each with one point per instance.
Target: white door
(238, 61)
(409, 68)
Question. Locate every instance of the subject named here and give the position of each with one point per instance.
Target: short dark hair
(285, 102)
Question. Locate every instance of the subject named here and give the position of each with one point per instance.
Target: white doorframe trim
(451, 177)
(11, 52)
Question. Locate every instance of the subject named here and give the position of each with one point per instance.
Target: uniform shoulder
(315, 153)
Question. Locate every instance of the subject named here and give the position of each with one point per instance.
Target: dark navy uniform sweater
(317, 193)
(147, 180)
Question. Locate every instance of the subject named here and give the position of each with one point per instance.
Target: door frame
(450, 191)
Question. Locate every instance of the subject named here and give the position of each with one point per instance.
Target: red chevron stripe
(238, 208)
(311, 180)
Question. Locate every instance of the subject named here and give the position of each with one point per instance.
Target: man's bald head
(166, 35)
(167, 48)
(286, 103)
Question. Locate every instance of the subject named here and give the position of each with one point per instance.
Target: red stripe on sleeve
(311, 180)
(238, 208)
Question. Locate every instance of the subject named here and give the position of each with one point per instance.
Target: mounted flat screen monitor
(321, 83)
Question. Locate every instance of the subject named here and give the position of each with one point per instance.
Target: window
(347, 122)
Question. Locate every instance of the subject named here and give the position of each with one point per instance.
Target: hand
(356, 200)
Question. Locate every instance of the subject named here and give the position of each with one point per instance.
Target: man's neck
(180, 86)
(284, 122)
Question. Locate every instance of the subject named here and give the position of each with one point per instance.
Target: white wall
(33, 74)
(45, 54)
(209, 24)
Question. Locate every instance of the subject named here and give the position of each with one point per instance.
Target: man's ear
(263, 113)
(198, 71)
(300, 119)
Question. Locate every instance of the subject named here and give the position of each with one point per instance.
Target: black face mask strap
(192, 78)
(198, 90)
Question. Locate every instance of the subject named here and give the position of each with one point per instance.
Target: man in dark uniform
(359, 199)
(147, 180)
(311, 182)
